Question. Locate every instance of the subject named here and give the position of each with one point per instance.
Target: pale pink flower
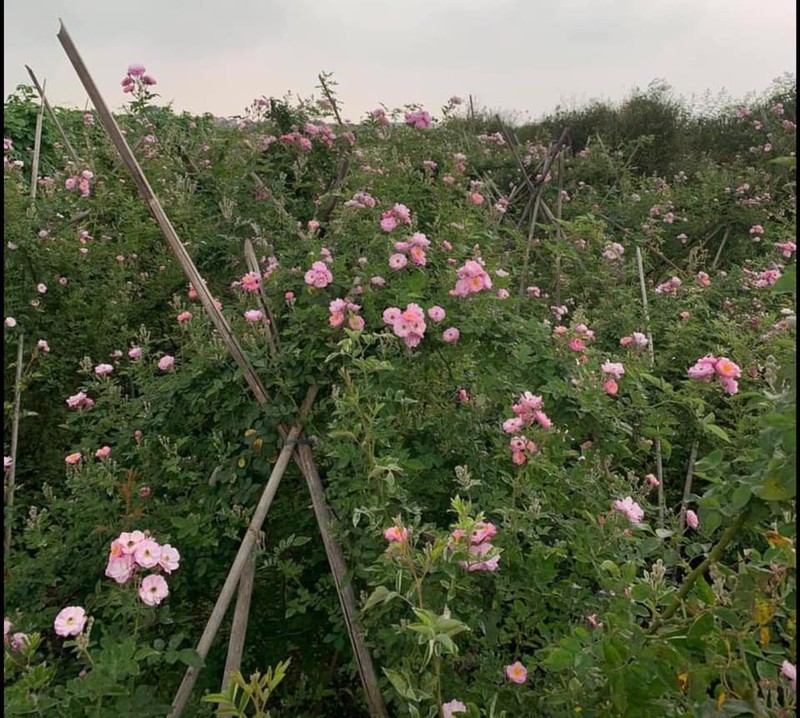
(419, 119)
(691, 519)
(10, 322)
(727, 369)
(254, 315)
(652, 480)
(517, 673)
(147, 553)
(639, 339)
(19, 641)
(319, 275)
(703, 369)
(73, 459)
(41, 288)
(704, 279)
(136, 70)
(396, 534)
(134, 352)
(129, 541)
(184, 317)
(613, 369)
(787, 248)
(591, 619)
(103, 369)
(610, 387)
(377, 281)
(169, 558)
(398, 261)
(451, 335)
(8, 462)
(436, 313)
(476, 198)
(153, 590)
(43, 346)
(632, 511)
(70, 621)
(789, 671)
(417, 255)
(121, 567)
(166, 362)
(103, 452)
(452, 707)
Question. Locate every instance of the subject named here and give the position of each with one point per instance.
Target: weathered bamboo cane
(40, 90)
(12, 472)
(241, 613)
(37, 149)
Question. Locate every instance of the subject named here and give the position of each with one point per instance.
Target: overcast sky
(522, 56)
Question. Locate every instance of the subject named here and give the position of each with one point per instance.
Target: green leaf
(787, 284)
(717, 431)
(773, 489)
(380, 595)
(559, 659)
(190, 657)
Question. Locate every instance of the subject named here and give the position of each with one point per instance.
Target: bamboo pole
(241, 613)
(12, 473)
(37, 148)
(721, 247)
(687, 486)
(646, 311)
(40, 89)
(242, 557)
(343, 587)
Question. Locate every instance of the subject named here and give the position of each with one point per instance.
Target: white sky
(522, 56)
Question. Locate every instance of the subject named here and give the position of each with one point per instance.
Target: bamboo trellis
(293, 448)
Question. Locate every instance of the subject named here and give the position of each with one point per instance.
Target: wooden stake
(37, 148)
(65, 139)
(241, 613)
(242, 557)
(12, 473)
(369, 680)
(646, 311)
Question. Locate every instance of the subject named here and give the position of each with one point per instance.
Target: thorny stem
(691, 579)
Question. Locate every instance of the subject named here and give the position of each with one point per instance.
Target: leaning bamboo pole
(72, 153)
(37, 150)
(12, 472)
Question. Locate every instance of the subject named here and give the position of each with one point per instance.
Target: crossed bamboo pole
(299, 452)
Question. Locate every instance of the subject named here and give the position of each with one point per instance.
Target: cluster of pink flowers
(521, 448)
(483, 555)
(613, 252)
(80, 401)
(671, 286)
(760, 280)
(250, 282)
(578, 337)
(787, 248)
(319, 275)
(391, 218)
(136, 77)
(527, 412)
(414, 248)
(341, 309)
(722, 368)
(361, 200)
(472, 278)
(636, 339)
(501, 205)
(419, 119)
(136, 550)
(409, 324)
(379, 115)
(81, 182)
(630, 509)
(611, 372)
(496, 138)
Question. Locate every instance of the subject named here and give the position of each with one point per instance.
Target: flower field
(542, 385)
